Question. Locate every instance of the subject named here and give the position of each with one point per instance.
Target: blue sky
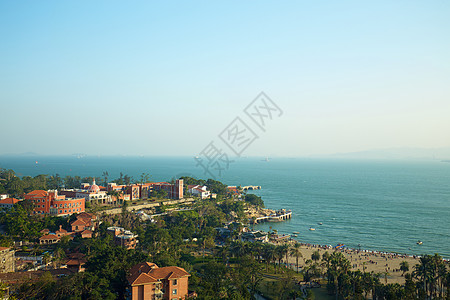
(165, 78)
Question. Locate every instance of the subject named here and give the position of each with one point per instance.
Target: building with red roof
(49, 202)
(8, 203)
(148, 281)
(49, 239)
(84, 224)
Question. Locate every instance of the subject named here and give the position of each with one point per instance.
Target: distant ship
(311, 229)
(419, 242)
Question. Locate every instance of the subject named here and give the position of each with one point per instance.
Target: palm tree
(285, 250)
(296, 252)
(385, 274)
(105, 177)
(268, 254)
(315, 256)
(423, 271)
(223, 253)
(46, 259)
(404, 267)
(237, 248)
(339, 265)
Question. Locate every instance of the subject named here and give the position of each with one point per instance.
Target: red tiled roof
(76, 262)
(85, 215)
(147, 272)
(4, 248)
(38, 193)
(49, 237)
(169, 273)
(143, 267)
(78, 222)
(142, 278)
(9, 201)
(87, 232)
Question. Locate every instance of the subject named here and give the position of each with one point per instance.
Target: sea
(380, 205)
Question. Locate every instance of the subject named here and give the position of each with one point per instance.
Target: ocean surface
(375, 205)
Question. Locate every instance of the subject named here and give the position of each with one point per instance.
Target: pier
(279, 216)
(251, 187)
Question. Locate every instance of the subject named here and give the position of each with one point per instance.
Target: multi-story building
(8, 203)
(144, 190)
(49, 202)
(84, 221)
(174, 191)
(148, 281)
(7, 260)
(199, 191)
(91, 193)
(122, 237)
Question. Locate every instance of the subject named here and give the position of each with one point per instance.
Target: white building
(199, 191)
(91, 193)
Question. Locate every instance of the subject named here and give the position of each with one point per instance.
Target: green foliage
(237, 207)
(18, 223)
(193, 181)
(254, 200)
(217, 187)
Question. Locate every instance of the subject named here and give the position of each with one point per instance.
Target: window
(175, 282)
(174, 291)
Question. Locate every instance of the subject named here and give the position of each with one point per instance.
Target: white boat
(311, 229)
(320, 223)
(296, 232)
(419, 242)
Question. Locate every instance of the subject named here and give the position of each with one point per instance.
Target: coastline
(364, 261)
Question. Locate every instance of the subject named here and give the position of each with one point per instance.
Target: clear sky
(165, 78)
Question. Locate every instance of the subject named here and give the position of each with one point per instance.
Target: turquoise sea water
(381, 205)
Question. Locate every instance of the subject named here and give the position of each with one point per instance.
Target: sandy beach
(371, 261)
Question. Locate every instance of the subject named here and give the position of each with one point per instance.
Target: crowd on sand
(364, 260)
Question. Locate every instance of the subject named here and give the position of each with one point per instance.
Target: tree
(296, 252)
(254, 200)
(280, 252)
(46, 259)
(410, 287)
(105, 178)
(339, 266)
(315, 256)
(145, 177)
(404, 267)
(423, 271)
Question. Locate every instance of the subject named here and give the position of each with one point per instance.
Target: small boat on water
(311, 229)
(320, 223)
(419, 242)
(294, 235)
(296, 232)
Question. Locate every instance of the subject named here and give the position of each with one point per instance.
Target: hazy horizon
(387, 153)
(116, 78)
